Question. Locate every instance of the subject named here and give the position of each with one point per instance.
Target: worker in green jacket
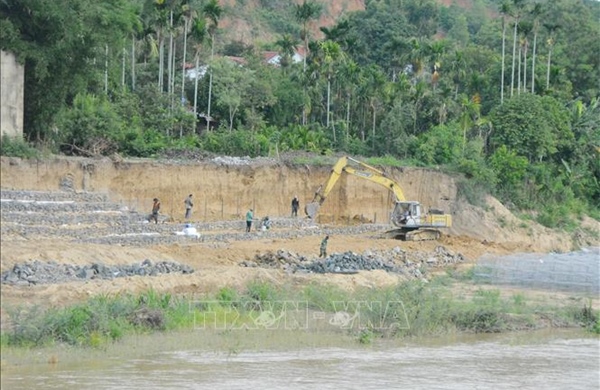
(249, 219)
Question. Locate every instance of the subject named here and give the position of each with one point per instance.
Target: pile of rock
(48, 272)
(279, 259)
(348, 262)
(396, 260)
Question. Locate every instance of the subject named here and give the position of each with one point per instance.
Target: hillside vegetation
(503, 93)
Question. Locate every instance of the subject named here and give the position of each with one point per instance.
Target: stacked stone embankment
(49, 272)
(93, 218)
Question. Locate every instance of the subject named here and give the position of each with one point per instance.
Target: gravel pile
(396, 260)
(279, 259)
(48, 272)
(349, 262)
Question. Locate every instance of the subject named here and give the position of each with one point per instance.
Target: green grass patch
(408, 309)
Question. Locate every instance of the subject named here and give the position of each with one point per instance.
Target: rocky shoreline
(413, 265)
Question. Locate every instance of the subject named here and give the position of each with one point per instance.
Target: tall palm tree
(287, 44)
(160, 25)
(305, 13)
(470, 112)
(213, 12)
(505, 11)
(552, 28)
(436, 50)
(373, 88)
(457, 67)
(517, 8)
(536, 11)
(331, 55)
(188, 16)
(351, 75)
(137, 29)
(199, 35)
(524, 30)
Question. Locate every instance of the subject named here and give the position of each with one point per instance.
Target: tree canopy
(504, 92)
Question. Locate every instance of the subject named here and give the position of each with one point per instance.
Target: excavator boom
(367, 172)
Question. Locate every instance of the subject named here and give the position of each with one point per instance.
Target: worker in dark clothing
(188, 206)
(155, 210)
(295, 206)
(323, 248)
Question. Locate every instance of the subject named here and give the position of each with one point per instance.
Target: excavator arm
(366, 172)
(410, 222)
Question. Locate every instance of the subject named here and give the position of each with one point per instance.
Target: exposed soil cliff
(225, 188)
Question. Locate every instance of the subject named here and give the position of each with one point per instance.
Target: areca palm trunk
(525, 67)
(348, 119)
(196, 88)
(514, 53)
(519, 73)
(133, 62)
(533, 62)
(548, 67)
(161, 62)
(212, 52)
(106, 69)
(123, 68)
(328, 102)
(503, 58)
(185, 32)
(170, 54)
(374, 122)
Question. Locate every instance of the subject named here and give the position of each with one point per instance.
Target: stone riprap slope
(39, 272)
(93, 218)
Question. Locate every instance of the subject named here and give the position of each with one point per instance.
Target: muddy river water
(536, 360)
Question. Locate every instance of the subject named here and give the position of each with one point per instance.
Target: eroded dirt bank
(224, 188)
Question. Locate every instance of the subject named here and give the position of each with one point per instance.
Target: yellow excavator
(410, 222)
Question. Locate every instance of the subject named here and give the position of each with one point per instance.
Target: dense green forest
(504, 93)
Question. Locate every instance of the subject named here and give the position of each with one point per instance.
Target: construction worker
(155, 210)
(188, 206)
(323, 252)
(295, 206)
(249, 218)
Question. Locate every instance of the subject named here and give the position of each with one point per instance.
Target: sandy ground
(216, 265)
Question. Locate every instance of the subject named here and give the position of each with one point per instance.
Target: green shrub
(17, 147)
(90, 127)
(227, 295)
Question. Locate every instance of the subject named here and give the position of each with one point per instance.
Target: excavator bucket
(311, 209)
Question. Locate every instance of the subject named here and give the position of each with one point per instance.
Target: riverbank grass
(410, 309)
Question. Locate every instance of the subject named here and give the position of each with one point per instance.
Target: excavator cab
(406, 214)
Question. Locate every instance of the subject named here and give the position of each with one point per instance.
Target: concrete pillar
(12, 82)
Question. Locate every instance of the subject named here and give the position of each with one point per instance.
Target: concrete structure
(12, 79)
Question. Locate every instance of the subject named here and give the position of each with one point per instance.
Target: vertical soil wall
(225, 191)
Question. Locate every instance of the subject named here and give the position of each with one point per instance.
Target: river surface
(555, 360)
